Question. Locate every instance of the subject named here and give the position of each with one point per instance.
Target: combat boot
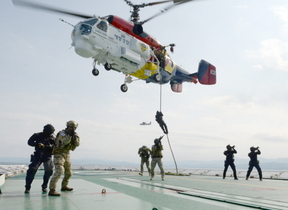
(53, 193)
(66, 189)
(27, 190)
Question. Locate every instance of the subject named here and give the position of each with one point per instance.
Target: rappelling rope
(167, 134)
(172, 154)
(160, 97)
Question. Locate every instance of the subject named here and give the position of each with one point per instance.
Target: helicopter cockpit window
(85, 29)
(86, 26)
(102, 26)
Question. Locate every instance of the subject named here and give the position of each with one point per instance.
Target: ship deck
(95, 189)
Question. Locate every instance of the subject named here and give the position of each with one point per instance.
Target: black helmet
(228, 146)
(48, 129)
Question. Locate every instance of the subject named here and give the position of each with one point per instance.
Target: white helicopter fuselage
(124, 47)
(96, 38)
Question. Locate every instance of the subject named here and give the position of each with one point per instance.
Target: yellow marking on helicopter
(170, 66)
(146, 71)
(143, 47)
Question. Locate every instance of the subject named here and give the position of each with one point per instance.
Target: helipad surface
(127, 190)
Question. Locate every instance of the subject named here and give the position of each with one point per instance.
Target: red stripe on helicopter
(127, 27)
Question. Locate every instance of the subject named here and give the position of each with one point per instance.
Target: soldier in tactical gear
(157, 156)
(65, 141)
(254, 162)
(230, 161)
(43, 143)
(144, 153)
(160, 121)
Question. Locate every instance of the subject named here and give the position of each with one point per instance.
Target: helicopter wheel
(95, 72)
(107, 66)
(157, 77)
(124, 88)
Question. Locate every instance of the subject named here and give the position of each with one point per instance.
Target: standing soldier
(43, 143)
(230, 161)
(65, 141)
(254, 162)
(144, 152)
(157, 156)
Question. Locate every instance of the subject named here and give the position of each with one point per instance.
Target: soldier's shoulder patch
(62, 133)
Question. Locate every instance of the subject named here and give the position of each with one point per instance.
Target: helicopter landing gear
(124, 88)
(158, 77)
(108, 66)
(95, 72)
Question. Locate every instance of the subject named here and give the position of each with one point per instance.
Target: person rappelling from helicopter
(160, 121)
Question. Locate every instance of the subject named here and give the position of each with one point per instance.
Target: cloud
(243, 7)
(282, 13)
(273, 53)
(271, 138)
(258, 66)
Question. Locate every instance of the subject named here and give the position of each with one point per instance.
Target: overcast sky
(44, 81)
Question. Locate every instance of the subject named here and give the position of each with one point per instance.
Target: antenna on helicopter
(66, 22)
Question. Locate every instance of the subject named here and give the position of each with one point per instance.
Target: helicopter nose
(84, 48)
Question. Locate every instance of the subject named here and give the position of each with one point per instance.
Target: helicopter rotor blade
(47, 8)
(159, 2)
(176, 3)
(146, 4)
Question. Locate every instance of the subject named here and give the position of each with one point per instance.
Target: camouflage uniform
(64, 142)
(144, 153)
(157, 156)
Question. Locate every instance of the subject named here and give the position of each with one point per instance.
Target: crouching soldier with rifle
(43, 143)
(144, 153)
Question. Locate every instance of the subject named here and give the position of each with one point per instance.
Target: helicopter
(145, 123)
(123, 46)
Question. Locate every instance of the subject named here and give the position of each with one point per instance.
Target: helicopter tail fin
(206, 73)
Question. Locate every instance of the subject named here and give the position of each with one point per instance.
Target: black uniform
(254, 162)
(162, 124)
(230, 161)
(43, 143)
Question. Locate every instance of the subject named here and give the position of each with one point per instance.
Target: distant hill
(266, 164)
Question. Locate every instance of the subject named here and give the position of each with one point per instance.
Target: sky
(44, 81)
